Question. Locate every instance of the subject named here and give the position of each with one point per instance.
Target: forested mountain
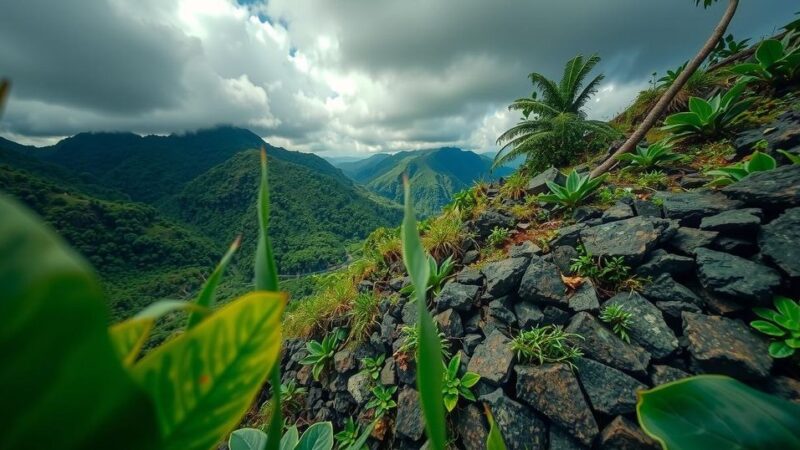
(435, 174)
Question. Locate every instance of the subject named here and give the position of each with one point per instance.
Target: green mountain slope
(435, 175)
(314, 214)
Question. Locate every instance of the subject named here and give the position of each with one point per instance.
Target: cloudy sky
(338, 77)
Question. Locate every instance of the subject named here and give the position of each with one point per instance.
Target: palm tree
(665, 100)
(553, 122)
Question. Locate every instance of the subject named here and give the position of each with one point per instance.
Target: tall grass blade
(206, 297)
(429, 351)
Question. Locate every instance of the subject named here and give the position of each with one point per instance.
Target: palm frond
(580, 101)
(551, 94)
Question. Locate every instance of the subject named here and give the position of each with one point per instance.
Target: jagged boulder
(553, 390)
(410, 422)
(726, 346)
(489, 220)
(492, 359)
(503, 277)
(538, 184)
(736, 221)
(647, 327)
(775, 189)
(689, 208)
(687, 240)
(735, 277)
(666, 289)
(541, 283)
(660, 261)
(600, 344)
(622, 434)
(457, 296)
(471, 427)
(780, 242)
(631, 238)
(610, 390)
(519, 425)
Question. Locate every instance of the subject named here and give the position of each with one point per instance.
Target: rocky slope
(709, 257)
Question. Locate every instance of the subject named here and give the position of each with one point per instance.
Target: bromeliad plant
(373, 366)
(352, 437)
(709, 118)
(439, 273)
(382, 401)
(777, 62)
(498, 237)
(782, 324)
(321, 353)
(654, 155)
(576, 190)
(620, 320)
(88, 382)
(758, 162)
(455, 386)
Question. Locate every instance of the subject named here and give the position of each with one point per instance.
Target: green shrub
(606, 272)
(758, 162)
(455, 386)
(382, 401)
(654, 155)
(654, 179)
(438, 274)
(352, 437)
(318, 436)
(709, 118)
(498, 237)
(363, 316)
(782, 324)
(619, 319)
(373, 366)
(576, 189)
(546, 344)
(321, 353)
(410, 336)
(728, 47)
(777, 62)
(515, 185)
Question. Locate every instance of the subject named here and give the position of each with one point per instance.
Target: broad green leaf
(713, 411)
(204, 380)
(760, 162)
(62, 384)
(769, 52)
(793, 343)
(683, 118)
(494, 441)
(700, 107)
(206, 297)
(765, 313)
(733, 94)
(317, 437)
(452, 368)
(767, 328)
(745, 69)
(247, 439)
(470, 379)
(787, 307)
(429, 351)
(780, 349)
(290, 438)
(129, 336)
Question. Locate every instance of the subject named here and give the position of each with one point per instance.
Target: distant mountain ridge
(436, 174)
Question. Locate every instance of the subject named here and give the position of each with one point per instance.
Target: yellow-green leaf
(429, 349)
(205, 379)
(61, 383)
(494, 441)
(206, 297)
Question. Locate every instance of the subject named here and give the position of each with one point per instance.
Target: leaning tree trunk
(673, 90)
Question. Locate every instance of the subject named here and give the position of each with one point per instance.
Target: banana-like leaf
(700, 107)
(760, 162)
(494, 441)
(317, 437)
(290, 438)
(204, 380)
(713, 411)
(129, 336)
(429, 351)
(769, 52)
(247, 439)
(62, 384)
(206, 297)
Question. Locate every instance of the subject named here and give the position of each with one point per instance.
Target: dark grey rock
(780, 242)
(562, 257)
(646, 208)
(470, 276)
(560, 439)
(735, 277)
(666, 289)
(584, 213)
(449, 323)
(471, 427)
(648, 327)
(388, 328)
(470, 256)
(736, 221)
(618, 211)
(471, 342)
(344, 361)
(388, 377)
(631, 238)
(693, 181)
(519, 425)
(527, 249)
(568, 235)
(784, 387)
(689, 208)
(406, 371)
(687, 240)
(399, 283)
(359, 387)
(492, 359)
(735, 246)
(499, 309)
(660, 261)
(726, 346)
(555, 316)
(553, 390)
(600, 344)
(584, 298)
(365, 286)
(538, 184)
(410, 312)
(610, 391)
(660, 374)
(542, 283)
(623, 434)
(674, 310)
(458, 296)
(472, 324)
(773, 189)
(409, 422)
(528, 315)
(781, 133)
(489, 220)
(503, 277)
